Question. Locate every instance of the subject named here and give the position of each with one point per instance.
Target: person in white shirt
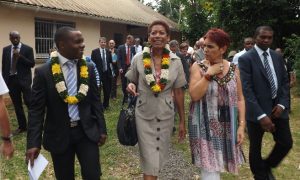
(248, 44)
(6, 148)
(137, 46)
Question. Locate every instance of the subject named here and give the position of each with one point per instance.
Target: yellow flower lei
(60, 83)
(164, 77)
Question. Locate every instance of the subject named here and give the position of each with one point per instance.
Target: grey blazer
(148, 105)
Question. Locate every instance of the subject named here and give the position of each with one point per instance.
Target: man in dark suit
(265, 86)
(66, 89)
(125, 55)
(17, 61)
(102, 58)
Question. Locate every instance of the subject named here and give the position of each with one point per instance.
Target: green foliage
(240, 18)
(195, 21)
(292, 52)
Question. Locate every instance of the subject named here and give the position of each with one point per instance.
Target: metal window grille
(44, 35)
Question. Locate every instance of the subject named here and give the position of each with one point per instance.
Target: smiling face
(213, 53)
(158, 37)
(102, 43)
(73, 45)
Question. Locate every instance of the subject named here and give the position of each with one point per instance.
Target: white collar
(62, 59)
(260, 51)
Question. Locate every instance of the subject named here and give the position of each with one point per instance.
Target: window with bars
(44, 35)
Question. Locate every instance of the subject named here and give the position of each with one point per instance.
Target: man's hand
(267, 124)
(276, 112)
(16, 53)
(102, 139)
(7, 149)
(31, 155)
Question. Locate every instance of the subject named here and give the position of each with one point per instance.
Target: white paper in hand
(40, 164)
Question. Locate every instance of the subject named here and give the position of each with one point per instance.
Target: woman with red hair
(217, 113)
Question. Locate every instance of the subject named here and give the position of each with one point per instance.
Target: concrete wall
(19, 20)
(23, 20)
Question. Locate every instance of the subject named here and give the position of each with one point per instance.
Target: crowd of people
(247, 90)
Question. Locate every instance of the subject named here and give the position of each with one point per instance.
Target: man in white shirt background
(248, 44)
(137, 46)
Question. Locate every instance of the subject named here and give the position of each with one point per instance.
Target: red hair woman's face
(212, 51)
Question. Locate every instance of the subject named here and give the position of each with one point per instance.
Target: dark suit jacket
(256, 86)
(24, 64)
(122, 55)
(54, 128)
(96, 57)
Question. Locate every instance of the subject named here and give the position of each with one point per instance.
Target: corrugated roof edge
(75, 13)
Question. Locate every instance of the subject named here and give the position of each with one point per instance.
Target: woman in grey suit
(154, 74)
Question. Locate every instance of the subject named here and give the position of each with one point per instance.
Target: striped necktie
(72, 90)
(270, 75)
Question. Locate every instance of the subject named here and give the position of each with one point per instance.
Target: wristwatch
(8, 139)
(208, 77)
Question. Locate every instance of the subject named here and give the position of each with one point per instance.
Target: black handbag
(126, 128)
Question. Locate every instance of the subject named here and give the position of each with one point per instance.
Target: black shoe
(18, 131)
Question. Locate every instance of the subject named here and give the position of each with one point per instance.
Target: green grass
(119, 162)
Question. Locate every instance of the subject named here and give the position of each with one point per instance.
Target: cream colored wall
(89, 28)
(108, 29)
(19, 20)
(23, 21)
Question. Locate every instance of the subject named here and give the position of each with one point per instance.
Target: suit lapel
(9, 55)
(275, 61)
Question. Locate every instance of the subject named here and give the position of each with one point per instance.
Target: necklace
(163, 78)
(60, 83)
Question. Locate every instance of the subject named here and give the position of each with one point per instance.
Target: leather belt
(74, 124)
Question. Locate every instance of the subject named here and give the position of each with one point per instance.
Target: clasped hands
(267, 122)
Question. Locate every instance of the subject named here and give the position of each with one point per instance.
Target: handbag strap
(132, 101)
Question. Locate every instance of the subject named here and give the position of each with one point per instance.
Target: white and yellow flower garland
(164, 76)
(60, 83)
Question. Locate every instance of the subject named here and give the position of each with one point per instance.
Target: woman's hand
(215, 69)
(240, 135)
(182, 132)
(131, 88)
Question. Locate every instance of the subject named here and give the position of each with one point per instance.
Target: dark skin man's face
(264, 39)
(73, 45)
(14, 39)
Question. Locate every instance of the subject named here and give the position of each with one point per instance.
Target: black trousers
(283, 143)
(114, 87)
(87, 153)
(106, 84)
(124, 84)
(17, 89)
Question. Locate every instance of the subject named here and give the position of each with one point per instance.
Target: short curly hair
(159, 22)
(218, 36)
